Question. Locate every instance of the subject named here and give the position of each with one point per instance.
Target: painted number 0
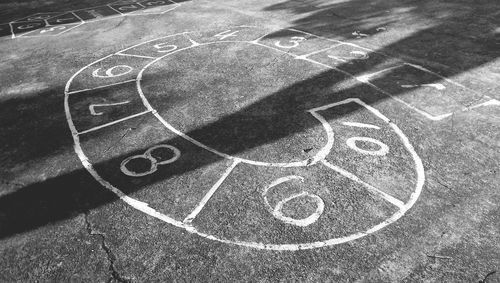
(277, 210)
(154, 163)
(295, 41)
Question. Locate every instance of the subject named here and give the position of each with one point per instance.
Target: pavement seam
(115, 276)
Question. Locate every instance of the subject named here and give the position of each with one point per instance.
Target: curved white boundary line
(144, 207)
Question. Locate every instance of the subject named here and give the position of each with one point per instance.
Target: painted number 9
(277, 212)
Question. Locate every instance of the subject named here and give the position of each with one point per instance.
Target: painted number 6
(277, 210)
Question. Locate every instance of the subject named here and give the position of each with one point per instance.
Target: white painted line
(144, 207)
(366, 78)
(317, 51)
(133, 55)
(112, 123)
(99, 87)
(320, 155)
(93, 106)
(369, 187)
(492, 102)
(360, 125)
(210, 193)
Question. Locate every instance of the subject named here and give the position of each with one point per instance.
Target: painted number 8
(276, 211)
(154, 163)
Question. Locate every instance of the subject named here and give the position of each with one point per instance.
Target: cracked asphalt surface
(181, 169)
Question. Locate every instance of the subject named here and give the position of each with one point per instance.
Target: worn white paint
(210, 193)
(278, 214)
(318, 159)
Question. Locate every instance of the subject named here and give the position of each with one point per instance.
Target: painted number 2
(293, 42)
(148, 157)
(277, 212)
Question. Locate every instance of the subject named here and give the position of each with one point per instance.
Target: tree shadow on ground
(65, 195)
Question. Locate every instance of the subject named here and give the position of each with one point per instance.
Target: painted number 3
(154, 162)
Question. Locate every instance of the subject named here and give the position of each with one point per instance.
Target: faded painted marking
(93, 106)
(360, 125)
(112, 123)
(153, 161)
(369, 187)
(277, 210)
(382, 151)
(210, 193)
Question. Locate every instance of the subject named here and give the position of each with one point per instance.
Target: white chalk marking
(99, 87)
(360, 125)
(93, 106)
(277, 210)
(210, 193)
(109, 72)
(114, 122)
(153, 161)
(369, 187)
(383, 150)
(437, 86)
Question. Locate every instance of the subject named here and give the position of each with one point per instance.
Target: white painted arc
(143, 207)
(308, 162)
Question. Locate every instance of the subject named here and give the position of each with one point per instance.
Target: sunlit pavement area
(282, 140)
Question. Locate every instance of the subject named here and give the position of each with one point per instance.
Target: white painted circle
(383, 148)
(144, 207)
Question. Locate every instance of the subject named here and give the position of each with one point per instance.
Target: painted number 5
(277, 212)
(294, 42)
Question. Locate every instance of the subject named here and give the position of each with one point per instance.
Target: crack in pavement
(115, 276)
